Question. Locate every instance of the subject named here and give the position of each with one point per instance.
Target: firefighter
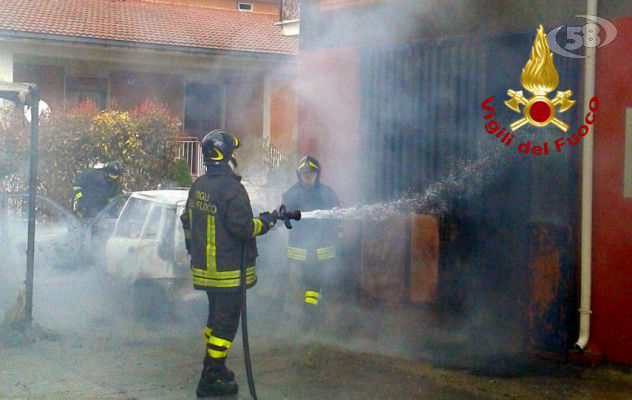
(95, 188)
(311, 244)
(219, 225)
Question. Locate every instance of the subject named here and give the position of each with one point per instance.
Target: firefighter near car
(220, 236)
(311, 246)
(95, 188)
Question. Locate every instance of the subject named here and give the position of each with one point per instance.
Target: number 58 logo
(578, 36)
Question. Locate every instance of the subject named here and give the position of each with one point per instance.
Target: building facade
(391, 92)
(211, 63)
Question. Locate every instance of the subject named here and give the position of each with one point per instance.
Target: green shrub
(143, 140)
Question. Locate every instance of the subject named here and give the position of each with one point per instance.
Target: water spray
(434, 201)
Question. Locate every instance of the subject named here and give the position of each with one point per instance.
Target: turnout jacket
(93, 191)
(311, 238)
(217, 223)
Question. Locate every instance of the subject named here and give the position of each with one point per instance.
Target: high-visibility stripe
(257, 226)
(207, 333)
(208, 242)
(311, 300)
(211, 249)
(76, 188)
(219, 342)
(217, 354)
(310, 293)
(78, 196)
(221, 275)
(213, 245)
(325, 253)
(223, 283)
(219, 155)
(296, 253)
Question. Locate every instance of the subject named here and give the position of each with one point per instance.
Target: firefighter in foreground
(311, 244)
(95, 188)
(218, 222)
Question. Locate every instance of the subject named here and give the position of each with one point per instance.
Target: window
(245, 6)
(154, 222)
(202, 108)
(82, 89)
(132, 220)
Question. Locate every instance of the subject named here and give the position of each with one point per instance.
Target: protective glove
(268, 219)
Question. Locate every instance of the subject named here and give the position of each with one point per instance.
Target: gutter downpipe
(587, 197)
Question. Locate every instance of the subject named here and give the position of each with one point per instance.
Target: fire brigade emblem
(539, 77)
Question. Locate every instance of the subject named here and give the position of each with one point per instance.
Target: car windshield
(133, 218)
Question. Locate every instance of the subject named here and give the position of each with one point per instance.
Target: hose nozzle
(287, 216)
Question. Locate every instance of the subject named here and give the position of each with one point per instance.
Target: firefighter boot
(214, 383)
(220, 367)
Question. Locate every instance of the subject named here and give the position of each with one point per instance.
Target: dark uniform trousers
(224, 311)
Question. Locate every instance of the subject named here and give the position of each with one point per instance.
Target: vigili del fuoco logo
(539, 77)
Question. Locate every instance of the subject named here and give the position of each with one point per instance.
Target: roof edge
(13, 34)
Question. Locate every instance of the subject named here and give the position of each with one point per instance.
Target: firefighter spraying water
(220, 235)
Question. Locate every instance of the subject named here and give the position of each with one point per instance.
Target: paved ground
(362, 352)
(125, 360)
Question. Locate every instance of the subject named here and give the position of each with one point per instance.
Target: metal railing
(189, 149)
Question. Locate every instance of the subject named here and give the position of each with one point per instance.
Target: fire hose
(286, 216)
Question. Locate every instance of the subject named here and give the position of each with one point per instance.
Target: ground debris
(15, 329)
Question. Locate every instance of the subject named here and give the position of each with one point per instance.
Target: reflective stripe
(76, 188)
(311, 300)
(217, 354)
(207, 333)
(309, 293)
(257, 226)
(219, 155)
(223, 283)
(325, 253)
(211, 251)
(208, 242)
(221, 275)
(296, 253)
(78, 196)
(219, 342)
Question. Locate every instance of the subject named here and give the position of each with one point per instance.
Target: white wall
(6, 65)
(6, 68)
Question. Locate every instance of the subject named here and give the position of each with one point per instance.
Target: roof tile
(149, 22)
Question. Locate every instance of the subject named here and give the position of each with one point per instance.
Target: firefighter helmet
(219, 146)
(113, 169)
(308, 163)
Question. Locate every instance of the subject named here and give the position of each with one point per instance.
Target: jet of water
(434, 201)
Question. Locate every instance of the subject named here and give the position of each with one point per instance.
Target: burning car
(144, 247)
